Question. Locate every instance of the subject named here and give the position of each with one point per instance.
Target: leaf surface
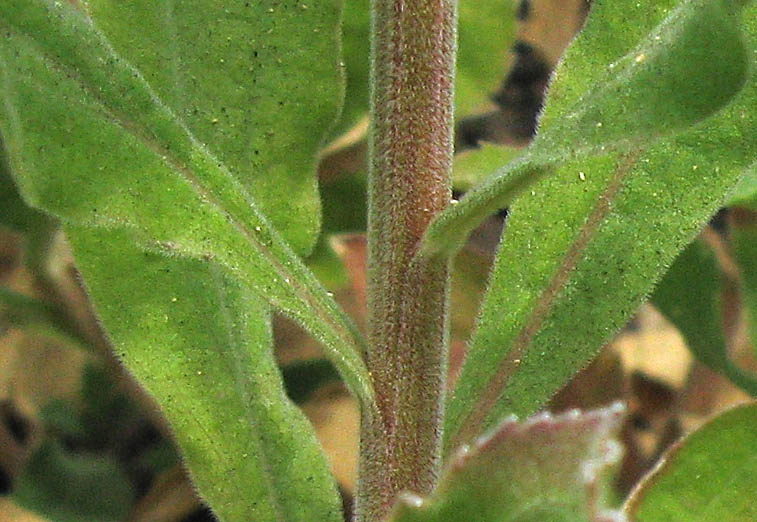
(585, 245)
(91, 142)
(617, 94)
(201, 344)
(710, 475)
(546, 468)
(233, 73)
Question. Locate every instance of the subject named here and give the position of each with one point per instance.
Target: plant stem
(413, 60)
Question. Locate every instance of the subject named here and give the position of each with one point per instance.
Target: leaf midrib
(495, 387)
(164, 154)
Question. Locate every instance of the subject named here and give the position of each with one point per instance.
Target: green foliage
(542, 469)
(215, 378)
(473, 166)
(136, 165)
(620, 89)
(710, 475)
(689, 296)
(66, 487)
(225, 71)
(744, 194)
(585, 246)
(744, 240)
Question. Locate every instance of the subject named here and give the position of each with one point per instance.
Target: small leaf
(14, 213)
(302, 379)
(201, 344)
(90, 142)
(473, 166)
(38, 228)
(689, 296)
(710, 475)
(617, 94)
(744, 244)
(66, 487)
(744, 194)
(546, 468)
(585, 246)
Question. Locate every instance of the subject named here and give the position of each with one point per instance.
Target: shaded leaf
(689, 296)
(546, 468)
(744, 244)
(617, 94)
(473, 166)
(744, 194)
(584, 246)
(90, 142)
(302, 379)
(710, 475)
(201, 345)
(486, 31)
(66, 487)
(38, 228)
(34, 316)
(14, 213)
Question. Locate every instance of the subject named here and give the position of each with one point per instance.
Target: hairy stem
(413, 59)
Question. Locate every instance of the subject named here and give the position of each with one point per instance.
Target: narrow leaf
(633, 91)
(201, 344)
(546, 468)
(710, 475)
(90, 142)
(689, 296)
(584, 247)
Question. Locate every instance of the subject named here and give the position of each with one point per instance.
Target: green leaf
(38, 228)
(200, 343)
(710, 475)
(303, 378)
(689, 296)
(486, 31)
(356, 44)
(67, 487)
(92, 143)
(472, 166)
(546, 468)
(227, 71)
(617, 94)
(14, 213)
(744, 244)
(744, 194)
(584, 246)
